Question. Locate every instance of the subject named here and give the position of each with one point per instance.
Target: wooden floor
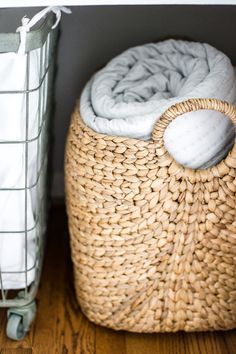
(61, 328)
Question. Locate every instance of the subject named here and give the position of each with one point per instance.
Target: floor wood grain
(61, 328)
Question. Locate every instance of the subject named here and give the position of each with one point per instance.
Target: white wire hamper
(31, 191)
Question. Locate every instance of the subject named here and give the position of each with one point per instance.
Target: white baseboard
(58, 185)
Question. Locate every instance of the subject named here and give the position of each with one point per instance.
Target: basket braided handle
(190, 105)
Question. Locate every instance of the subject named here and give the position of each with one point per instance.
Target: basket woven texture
(153, 243)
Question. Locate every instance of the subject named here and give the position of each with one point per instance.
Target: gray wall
(93, 35)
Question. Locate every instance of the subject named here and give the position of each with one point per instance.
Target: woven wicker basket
(153, 243)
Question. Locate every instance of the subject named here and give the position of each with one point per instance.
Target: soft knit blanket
(131, 92)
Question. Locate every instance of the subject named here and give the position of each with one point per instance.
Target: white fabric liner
(134, 89)
(12, 168)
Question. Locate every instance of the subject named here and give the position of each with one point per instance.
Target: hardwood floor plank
(83, 339)
(141, 343)
(192, 344)
(208, 342)
(230, 341)
(170, 343)
(49, 325)
(79, 334)
(16, 351)
(109, 341)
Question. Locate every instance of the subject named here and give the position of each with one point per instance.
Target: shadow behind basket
(153, 243)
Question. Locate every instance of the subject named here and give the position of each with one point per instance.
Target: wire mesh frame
(44, 39)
